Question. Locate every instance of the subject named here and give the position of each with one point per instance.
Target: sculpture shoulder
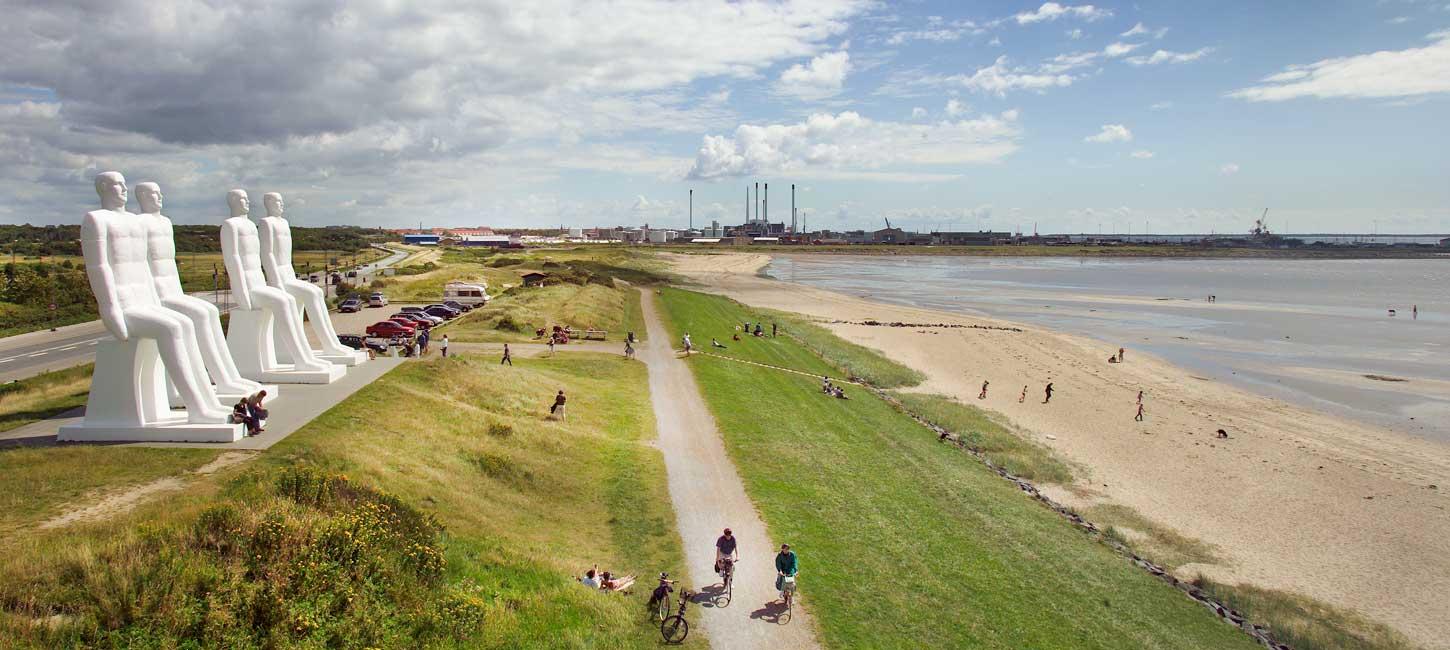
(238, 225)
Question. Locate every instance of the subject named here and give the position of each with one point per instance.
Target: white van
(467, 293)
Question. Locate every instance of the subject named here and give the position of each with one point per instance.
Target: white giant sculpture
(261, 308)
(277, 262)
(204, 316)
(128, 396)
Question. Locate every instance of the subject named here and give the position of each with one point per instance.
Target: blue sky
(1182, 117)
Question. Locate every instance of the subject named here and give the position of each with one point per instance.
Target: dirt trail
(708, 497)
(114, 504)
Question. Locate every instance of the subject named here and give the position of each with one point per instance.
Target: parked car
(390, 328)
(359, 342)
(458, 305)
(412, 320)
(350, 306)
(377, 299)
(313, 278)
(442, 311)
(419, 311)
(352, 274)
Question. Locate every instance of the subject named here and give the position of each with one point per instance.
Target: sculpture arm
(102, 279)
(232, 258)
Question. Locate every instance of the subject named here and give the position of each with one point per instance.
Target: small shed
(535, 279)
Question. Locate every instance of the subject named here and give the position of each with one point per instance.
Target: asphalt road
(30, 354)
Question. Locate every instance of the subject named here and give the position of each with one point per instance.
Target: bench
(596, 334)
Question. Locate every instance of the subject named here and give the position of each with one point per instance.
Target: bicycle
(727, 574)
(675, 628)
(787, 590)
(661, 599)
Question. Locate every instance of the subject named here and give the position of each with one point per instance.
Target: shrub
(507, 323)
(500, 429)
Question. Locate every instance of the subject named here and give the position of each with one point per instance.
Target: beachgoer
(591, 578)
(1120, 355)
(1222, 433)
(1139, 416)
(254, 405)
(611, 583)
(786, 564)
(1112, 359)
(558, 407)
(983, 394)
(1023, 397)
(508, 356)
(758, 331)
(840, 393)
(716, 344)
(628, 350)
(443, 346)
(735, 337)
(241, 416)
(773, 330)
(688, 345)
(725, 548)
(1048, 391)
(1140, 397)
(1414, 312)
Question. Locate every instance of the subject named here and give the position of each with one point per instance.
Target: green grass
(1017, 455)
(1162, 545)
(243, 558)
(907, 543)
(1306, 624)
(43, 396)
(856, 360)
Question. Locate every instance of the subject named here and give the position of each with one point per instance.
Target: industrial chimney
(766, 204)
(792, 208)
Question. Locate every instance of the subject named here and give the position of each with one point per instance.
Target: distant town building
(422, 240)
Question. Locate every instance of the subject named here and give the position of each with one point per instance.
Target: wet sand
(1295, 499)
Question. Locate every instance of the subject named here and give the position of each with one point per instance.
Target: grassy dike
(436, 507)
(906, 543)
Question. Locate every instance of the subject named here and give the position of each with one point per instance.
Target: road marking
(37, 354)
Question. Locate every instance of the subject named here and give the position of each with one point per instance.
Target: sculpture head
(273, 203)
(239, 203)
(111, 186)
(148, 196)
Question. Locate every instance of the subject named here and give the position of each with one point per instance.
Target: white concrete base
(250, 338)
(353, 358)
(128, 402)
(179, 431)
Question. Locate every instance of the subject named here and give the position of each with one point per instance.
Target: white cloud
(1111, 133)
(1142, 154)
(1398, 20)
(1075, 34)
(1000, 78)
(1050, 11)
(955, 108)
(1165, 56)
(1115, 50)
(822, 77)
(850, 145)
(1141, 30)
(1228, 169)
(1158, 106)
(918, 113)
(1384, 74)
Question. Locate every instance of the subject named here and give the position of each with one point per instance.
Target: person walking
(423, 343)
(1139, 416)
(443, 346)
(1023, 397)
(688, 346)
(628, 350)
(983, 394)
(1120, 355)
(773, 330)
(1048, 392)
(1140, 397)
(551, 346)
(558, 407)
(508, 356)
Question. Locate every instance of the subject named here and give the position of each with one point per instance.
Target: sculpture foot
(239, 387)
(208, 416)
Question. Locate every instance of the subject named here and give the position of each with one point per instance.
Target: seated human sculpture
(276, 253)
(114, 244)
(241, 249)
(204, 316)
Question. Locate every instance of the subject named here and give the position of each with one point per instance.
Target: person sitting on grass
(591, 578)
(735, 337)
(715, 344)
(840, 393)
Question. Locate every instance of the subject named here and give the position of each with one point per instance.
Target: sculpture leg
(284, 318)
(314, 303)
(175, 336)
(206, 320)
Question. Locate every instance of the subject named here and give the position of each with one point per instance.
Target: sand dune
(1294, 500)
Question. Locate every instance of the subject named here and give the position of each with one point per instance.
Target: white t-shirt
(592, 583)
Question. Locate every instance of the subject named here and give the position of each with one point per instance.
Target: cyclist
(725, 550)
(785, 566)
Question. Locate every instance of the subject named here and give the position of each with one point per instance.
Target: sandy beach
(1296, 500)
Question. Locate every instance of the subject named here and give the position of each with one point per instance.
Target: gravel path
(708, 497)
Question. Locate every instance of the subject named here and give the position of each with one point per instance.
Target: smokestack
(757, 201)
(792, 208)
(766, 204)
(692, 209)
(747, 204)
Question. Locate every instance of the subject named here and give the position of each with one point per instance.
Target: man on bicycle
(724, 550)
(785, 566)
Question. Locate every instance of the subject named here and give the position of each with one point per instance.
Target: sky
(1172, 118)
